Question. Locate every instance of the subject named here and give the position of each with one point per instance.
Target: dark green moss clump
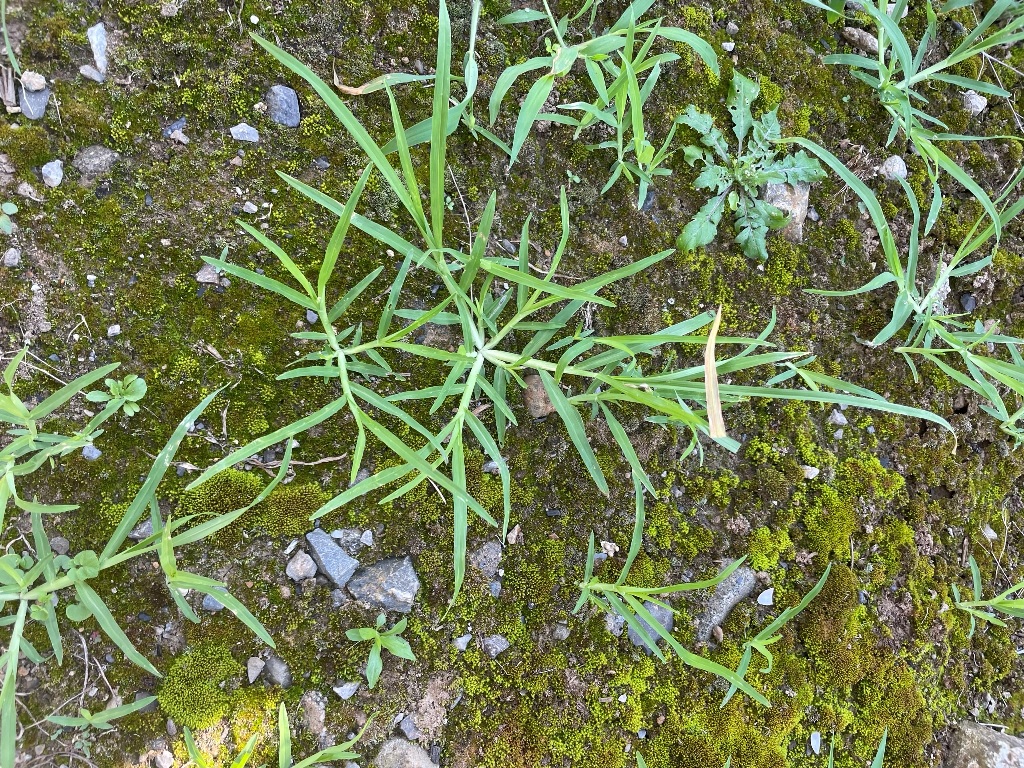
(192, 694)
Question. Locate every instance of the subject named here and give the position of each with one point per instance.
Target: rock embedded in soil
(300, 567)
(283, 106)
(12, 257)
(91, 453)
(245, 132)
(164, 759)
(974, 103)
(276, 672)
(33, 103)
(462, 643)
(97, 35)
(349, 539)
(389, 585)
(408, 728)
(486, 558)
(142, 531)
(53, 173)
(332, 559)
(494, 645)
(861, 39)
(208, 275)
(978, 746)
(60, 545)
(89, 72)
(893, 168)
(95, 160)
(399, 753)
(253, 667)
(660, 614)
(727, 595)
(314, 712)
(791, 199)
(346, 691)
(538, 404)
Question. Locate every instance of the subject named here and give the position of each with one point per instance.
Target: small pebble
(212, 604)
(809, 472)
(816, 742)
(114, 330)
(312, 317)
(249, 207)
(623, 241)
(767, 597)
(837, 419)
(301, 567)
(53, 173)
(60, 545)
(91, 453)
(729, 46)
(253, 667)
(33, 82)
(366, 539)
(245, 132)
(968, 302)
(346, 690)
(462, 643)
(974, 103)
(12, 257)
(732, 29)
(893, 168)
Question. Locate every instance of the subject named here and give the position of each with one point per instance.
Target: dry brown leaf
(716, 423)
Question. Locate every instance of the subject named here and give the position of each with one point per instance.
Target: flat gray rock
(399, 753)
(97, 35)
(978, 746)
(95, 160)
(389, 585)
(300, 567)
(494, 645)
(660, 614)
(346, 691)
(89, 72)
(12, 257)
(91, 453)
(283, 106)
(486, 558)
(276, 672)
(332, 559)
(253, 667)
(33, 103)
(726, 596)
(245, 132)
(53, 173)
(212, 604)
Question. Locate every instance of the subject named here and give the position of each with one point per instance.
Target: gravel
(276, 672)
(389, 585)
(283, 106)
(245, 132)
(91, 453)
(97, 35)
(300, 567)
(893, 168)
(95, 160)
(53, 173)
(494, 645)
(486, 558)
(253, 667)
(332, 559)
(399, 753)
(12, 257)
(346, 691)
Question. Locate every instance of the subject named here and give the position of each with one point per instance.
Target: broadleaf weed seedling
(7, 210)
(509, 320)
(389, 640)
(735, 179)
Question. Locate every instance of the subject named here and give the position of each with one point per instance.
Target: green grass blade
(439, 132)
(111, 628)
(267, 283)
(577, 430)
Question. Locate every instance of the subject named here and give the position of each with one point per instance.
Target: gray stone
(283, 106)
(208, 275)
(60, 545)
(113, 330)
(408, 728)
(91, 453)
(12, 257)
(486, 558)
(332, 559)
(861, 39)
(560, 632)
(33, 82)
(366, 539)
(790, 199)
(837, 419)
(495, 588)
(974, 103)
(245, 132)
(164, 759)
(660, 614)
(732, 29)
(727, 595)
(968, 302)
(462, 643)
(614, 624)
(346, 690)
(89, 72)
(250, 207)
(399, 753)
(538, 404)
(53, 173)
(311, 316)
(212, 604)
(494, 645)
(177, 125)
(95, 160)
(390, 585)
(33, 103)
(348, 539)
(338, 598)
(276, 672)
(729, 46)
(300, 567)
(142, 531)
(314, 711)
(893, 168)
(253, 667)
(978, 746)
(97, 35)
(179, 137)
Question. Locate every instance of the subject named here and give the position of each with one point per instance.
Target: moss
(192, 693)
(767, 546)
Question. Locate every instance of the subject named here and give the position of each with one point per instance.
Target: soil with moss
(895, 508)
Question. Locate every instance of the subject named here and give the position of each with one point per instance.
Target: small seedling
(123, 394)
(86, 724)
(986, 610)
(389, 639)
(736, 179)
(7, 209)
